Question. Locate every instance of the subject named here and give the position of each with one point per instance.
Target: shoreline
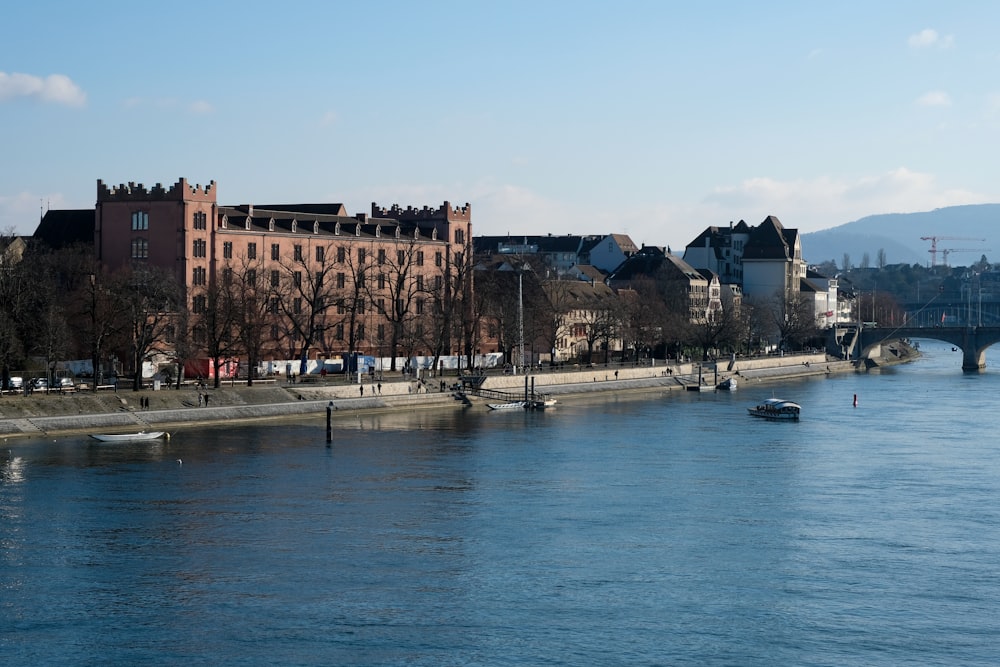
(89, 412)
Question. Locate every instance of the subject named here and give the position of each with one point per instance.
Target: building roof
(59, 229)
(770, 241)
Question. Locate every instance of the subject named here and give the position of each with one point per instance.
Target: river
(664, 528)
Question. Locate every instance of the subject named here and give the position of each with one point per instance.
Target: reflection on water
(659, 528)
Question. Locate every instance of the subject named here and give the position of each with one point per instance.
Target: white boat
(512, 405)
(127, 437)
(776, 408)
(543, 403)
(729, 384)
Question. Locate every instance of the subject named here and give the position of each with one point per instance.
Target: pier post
(329, 423)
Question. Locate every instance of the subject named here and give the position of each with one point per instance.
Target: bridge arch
(973, 341)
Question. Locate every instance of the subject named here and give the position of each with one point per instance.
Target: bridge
(972, 340)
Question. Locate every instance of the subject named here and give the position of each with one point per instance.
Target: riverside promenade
(127, 411)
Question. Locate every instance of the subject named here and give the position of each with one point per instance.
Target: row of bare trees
(384, 299)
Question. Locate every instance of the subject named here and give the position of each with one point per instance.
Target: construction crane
(947, 251)
(934, 239)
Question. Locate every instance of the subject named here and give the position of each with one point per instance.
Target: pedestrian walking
(379, 388)
(362, 390)
(201, 399)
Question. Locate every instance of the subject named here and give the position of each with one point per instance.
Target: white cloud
(824, 202)
(200, 107)
(22, 211)
(928, 38)
(55, 88)
(934, 98)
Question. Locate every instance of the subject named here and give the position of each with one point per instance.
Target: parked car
(66, 383)
(15, 382)
(40, 384)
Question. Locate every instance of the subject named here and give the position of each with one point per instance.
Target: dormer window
(247, 223)
(315, 226)
(357, 229)
(336, 229)
(434, 234)
(270, 225)
(225, 222)
(295, 226)
(378, 231)
(397, 231)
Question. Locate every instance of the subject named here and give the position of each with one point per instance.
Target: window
(275, 278)
(361, 332)
(459, 236)
(361, 306)
(339, 332)
(381, 281)
(252, 277)
(420, 258)
(341, 308)
(199, 248)
(251, 251)
(227, 276)
(320, 253)
(227, 250)
(341, 254)
(273, 306)
(420, 306)
(297, 253)
(140, 249)
(199, 276)
(381, 306)
(275, 252)
(199, 304)
(381, 332)
(361, 280)
(297, 306)
(400, 257)
(200, 220)
(361, 255)
(140, 221)
(341, 280)
(438, 281)
(381, 255)
(437, 259)
(297, 279)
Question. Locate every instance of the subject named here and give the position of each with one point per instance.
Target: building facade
(334, 282)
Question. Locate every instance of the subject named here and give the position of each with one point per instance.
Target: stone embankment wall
(169, 408)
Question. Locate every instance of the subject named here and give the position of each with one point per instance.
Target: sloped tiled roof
(768, 240)
(59, 229)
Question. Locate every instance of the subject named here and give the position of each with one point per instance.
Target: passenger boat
(776, 408)
(128, 437)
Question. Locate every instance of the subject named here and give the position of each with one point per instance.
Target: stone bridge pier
(973, 341)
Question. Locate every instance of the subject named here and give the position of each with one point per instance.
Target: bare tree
(255, 312)
(216, 317)
(308, 290)
(148, 298)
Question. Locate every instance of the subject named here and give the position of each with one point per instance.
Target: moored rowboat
(126, 437)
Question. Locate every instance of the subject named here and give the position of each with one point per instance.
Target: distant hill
(899, 234)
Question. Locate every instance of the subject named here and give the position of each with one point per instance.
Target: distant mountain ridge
(899, 234)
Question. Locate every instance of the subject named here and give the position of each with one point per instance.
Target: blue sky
(654, 119)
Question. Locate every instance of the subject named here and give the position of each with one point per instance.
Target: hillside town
(167, 283)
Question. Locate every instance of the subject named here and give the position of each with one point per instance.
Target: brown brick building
(375, 283)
